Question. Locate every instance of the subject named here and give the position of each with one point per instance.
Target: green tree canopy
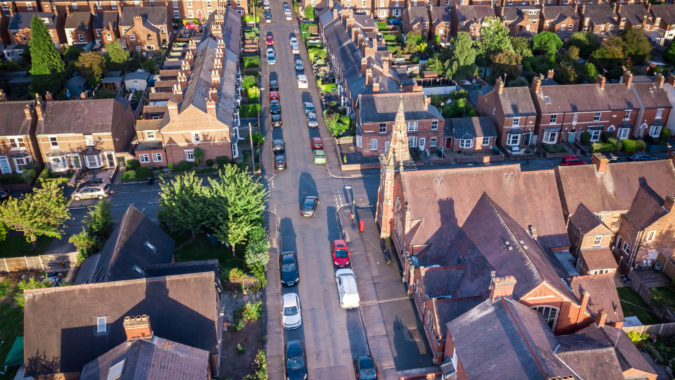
(494, 38)
(669, 54)
(257, 251)
(115, 55)
(150, 65)
(309, 12)
(572, 54)
(586, 42)
(636, 46)
(92, 66)
(72, 52)
(183, 205)
(462, 64)
(47, 68)
(610, 58)
(547, 43)
(521, 46)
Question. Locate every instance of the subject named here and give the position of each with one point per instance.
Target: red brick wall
(477, 145)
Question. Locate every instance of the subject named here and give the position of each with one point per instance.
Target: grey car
(298, 64)
(91, 191)
(311, 120)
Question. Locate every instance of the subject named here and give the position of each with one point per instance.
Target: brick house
(664, 23)
(600, 19)
(646, 229)
(104, 26)
(148, 147)
(61, 6)
(635, 16)
(385, 8)
(18, 146)
(416, 18)
(655, 106)
(441, 23)
(376, 116)
(521, 20)
(145, 29)
(590, 242)
(78, 28)
(470, 134)
(562, 20)
(19, 27)
(513, 113)
(79, 134)
(469, 18)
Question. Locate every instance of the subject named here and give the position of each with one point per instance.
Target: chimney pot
(210, 107)
(628, 78)
(376, 87)
(533, 231)
(600, 162)
(500, 85)
(668, 202)
(38, 108)
(550, 74)
(27, 111)
(601, 80)
(3, 96)
(502, 287)
(536, 85)
(369, 77)
(137, 327)
(659, 79)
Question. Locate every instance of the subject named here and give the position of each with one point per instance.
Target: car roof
(293, 345)
(287, 253)
(571, 158)
(291, 298)
(317, 139)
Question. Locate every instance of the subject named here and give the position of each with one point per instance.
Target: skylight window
(101, 325)
(150, 247)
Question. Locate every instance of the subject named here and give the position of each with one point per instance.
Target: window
(191, 14)
(149, 134)
(386, 146)
(150, 47)
(373, 144)
(29, 6)
(434, 125)
(412, 126)
(21, 162)
(93, 161)
(80, 37)
(176, 14)
(383, 127)
(24, 38)
(189, 155)
(596, 117)
(138, 48)
(597, 241)
(601, 216)
(109, 37)
(132, 37)
(412, 141)
(114, 5)
(156, 157)
(466, 143)
(74, 5)
(423, 141)
(626, 115)
(651, 235)
(485, 142)
(17, 143)
(175, 4)
(381, 3)
(363, 3)
(143, 158)
(623, 133)
(196, 137)
(655, 131)
(189, 3)
(554, 119)
(595, 134)
(625, 248)
(53, 142)
(516, 122)
(562, 27)
(208, 3)
(101, 326)
(151, 247)
(88, 140)
(75, 161)
(513, 139)
(659, 113)
(139, 270)
(549, 313)
(550, 137)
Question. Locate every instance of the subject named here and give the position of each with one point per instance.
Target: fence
(58, 262)
(646, 293)
(662, 329)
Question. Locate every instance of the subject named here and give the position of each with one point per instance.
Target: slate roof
(78, 20)
(447, 309)
(13, 120)
(598, 258)
(348, 56)
(634, 13)
(471, 127)
(416, 14)
(516, 101)
(153, 359)
(558, 12)
(136, 244)
(647, 207)
(153, 15)
(588, 358)
(139, 75)
(586, 97)
(651, 96)
(600, 14)
(102, 19)
(615, 189)
(22, 20)
(365, 21)
(60, 322)
(584, 220)
(603, 294)
(440, 281)
(183, 267)
(441, 14)
(665, 11)
(383, 106)
(474, 12)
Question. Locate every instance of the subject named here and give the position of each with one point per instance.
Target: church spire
(398, 147)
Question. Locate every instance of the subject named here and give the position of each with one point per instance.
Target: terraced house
(18, 146)
(145, 29)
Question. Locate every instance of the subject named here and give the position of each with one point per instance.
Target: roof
(651, 96)
(13, 121)
(440, 14)
(183, 268)
(447, 309)
(136, 244)
(102, 19)
(139, 75)
(471, 127)
(598, 258)
(451, 194)
(665, 11)
(586, 221)
(647, 207)
(599, 14)
(364, 20)
(382, 107)
(603, 294)
(440, 281)
(588, 358)
(78, 20)
(474, 12)
(148, 124)
(154, 15)
(615, 189)
(517, 341)
(515, 101)
(558, 12)
(155, 358)
(416, 14)
(633, 13)
(587, 97)
(22, 20)
(60, 322)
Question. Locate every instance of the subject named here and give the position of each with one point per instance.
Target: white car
(295, 46)
(290, 311)
(288, 15)
(346, 287)
(302, 81)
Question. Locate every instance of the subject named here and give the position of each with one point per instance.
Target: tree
(494, 38)
(521, 46)
(669, 54)
(198, 154)
(572, 54)
(182, 204)
(47, 68)
(92, 65)
(586, 42)
(547, 43)
(150, 65)
(565, 73)
(589, 72)
(257, 251)
(41, 213)
(463, 61)
(73, 52)
(334, 125)
(3, 231)
(506, 62)
(309, 12)
(413, 39)
(636, 46)
(115, 55)
(82, 242)
(610, 58)
(30, 284)
(99, 223)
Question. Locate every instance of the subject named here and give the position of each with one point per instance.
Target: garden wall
(441, 90)
(662, 329)
(58, 262)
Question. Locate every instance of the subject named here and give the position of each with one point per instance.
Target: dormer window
(151, 247)
(150, 134)
(139, 271)
(196, 137)
(101, 325)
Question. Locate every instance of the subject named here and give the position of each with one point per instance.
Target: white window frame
(550, 137)
(176, 13)
(191, 14)
(655, 131)
(597, 241)
(101, 325)
(434, 125)
(157, 157)
(189, 3)
(465, 143)
(659, 113)
(80, 37)
(54, 142)
(595, 134)
(625, 247)
(17, 143)
(623, 133)
(432, 142)
(189, 155)
(372, 144)
(412, 126)
(196, 137)
(545, 312)
(515, 121)
(21, 162)
(144, 158)
(626, 115)
(485, 142)
(150, 135)
(383, 128)
(96, 164)
(89, 140)
(597, 116)
(422, 143)
(553, 119)
(412, 141)
(510, 139)
(650, 236)
(75, 161)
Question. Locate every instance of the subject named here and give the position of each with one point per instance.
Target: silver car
(298, 64)
(91, 191)
(311, 120)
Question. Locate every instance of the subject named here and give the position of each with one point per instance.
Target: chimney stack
(3, 96)
(659, 79)
(38, 108)
(627, 79)
(190, 57)
(138, 21)
(532, 231)
(600, 162)
(364, 65)
(501, 287)
(550, 74)
(500, 85)
(585, 298)
(27, 111)
(215, 79)
(213, 94)
(182, 80)
(177, 92)
(600, 80)
(386, 64)
(211, 106)
(49, 96)
(376, 87)
(602, 318)
(427, 102)
(185, 65)
(536, 85)
(172, 106)
(369, 77)
(668, 202)
(137, 327)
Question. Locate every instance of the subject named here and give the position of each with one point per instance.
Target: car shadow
(306, 186)
(287, 237)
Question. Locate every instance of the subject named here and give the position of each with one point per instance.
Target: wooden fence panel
(58, 262)
(662, 329)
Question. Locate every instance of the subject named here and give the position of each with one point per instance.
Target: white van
(302, 81)
(346, 286)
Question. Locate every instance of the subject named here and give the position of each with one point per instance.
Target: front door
(4, 165)
(526, 139)
(422, 143)
(570, 138)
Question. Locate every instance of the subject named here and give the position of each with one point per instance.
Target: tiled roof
(665, 11)
(383, 107)
(22, 20)
(102, 19)
(587, 97)
(364, 20)
(447, 309)
(154, 15)
(633, 13)
(603, 295)
(556, 12)
(440, 14)
(584, 220)
(416, 14)
(651, 96)
(471, 127)
(474, 12)
(156, 358)
(647, 207)
(440, 281)
(516, 101)
(13, 120)
(600, 14)
(598, 258)
(588, 358)
(78, 20)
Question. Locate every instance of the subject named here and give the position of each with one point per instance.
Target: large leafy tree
(610, 58)
(183, 204)
(521, 46)
(586, 42)
(116, 57)
(494, 38)
(41, 213)
(92, 65)
(463, 61)
(47, 68)
(669, 54)
(256, 255)
(547, 43)
(636, 46)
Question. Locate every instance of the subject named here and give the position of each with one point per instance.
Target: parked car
(364, 368)
(295, 360)
(311, 120)
(269, 39)
(288, 265)
(274, 85)
(317, 143)
(641, 157)
(279, 149)
(302, 81)
(91, 191)
(308, 206)
(309, 107)
(572, 161)
(268, 16)
(271, 59)
(274, 95)
(291, 313)
(319, 157)
(340, 253)
(295, 46)
(298, 64)
(275, 107)
(266, 4)
(276, 121)
(348, 293)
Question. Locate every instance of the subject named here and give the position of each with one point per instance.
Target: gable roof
(22, 20)
(154, 15)
(13, 121)
(603, 295)
(647, 207)
(558, 12)
(665, 11)
(474, 12)
(651, 96)
(441, 14)
(440, 281)
(515, 101)
(585, 97)
(382, 107)
(588, 358)
(586, 221)
(599, 14)
(156, 358)
(447, 309)
(615, 189)
(60, 323)
(633, 13)
(598, 258)
(471, 127)
(102, 19)
(416, 14)
(78, 20)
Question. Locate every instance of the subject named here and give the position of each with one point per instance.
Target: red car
(340, 253)
(317, 143)
(274, 95)
(269, 39)
(190, 25)
(572, 161)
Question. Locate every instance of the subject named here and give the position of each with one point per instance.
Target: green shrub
(11, 179)
(133, 164)
(640, 145)
(143, 172)
(585, 138)
(253, 92)
(381, 26)
(44, 174)
(249, 80)
(222, 160)
(637, 338)
(309, 12)
(209, 162)
(251, 62)
(183, 166)
(249, 110)
(603, 147)
(30, 284)
(129, 175)
(629, 146)
(240, 349)
(665, 133)
(170, 165)
(252, 311)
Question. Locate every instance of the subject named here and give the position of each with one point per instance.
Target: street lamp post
(250, 139)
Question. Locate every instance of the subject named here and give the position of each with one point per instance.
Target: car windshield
(288, 311)
(309, 203)
(367, 373)
(341, 253)
(295, 363)
(318, 154)
(288, 268)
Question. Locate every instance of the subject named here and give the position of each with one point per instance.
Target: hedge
(183, 166)
(133, 164)
(629, 145)
(249, 110)
(143, 172)
(251, 62)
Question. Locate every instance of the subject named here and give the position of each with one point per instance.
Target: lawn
(664, 295)
(632, 305)
(201, 249)
(554, 148)
(11, 320)
(16, 246)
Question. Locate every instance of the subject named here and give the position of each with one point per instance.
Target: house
(600, 19)
(144, 355)
(148, 147)
(521, 20)
(513, 113)
(562, 20)
(567, 111)
(591, 240)
(18, 146)
(416, 18)
(470, 134)
(67, 327)
(635, 16)
(377, 114)
(136, 244)
(664, 23)
(136, 81)
(655, 106)
(469, 18)
(441, 23)
(201, 115)
(79, 134)
(104, 26)
(608, 190)
(386, 8)
(78, 28)
(647, 228)
(19, 27)
(145, 29)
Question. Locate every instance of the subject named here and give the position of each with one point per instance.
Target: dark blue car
(296, 369)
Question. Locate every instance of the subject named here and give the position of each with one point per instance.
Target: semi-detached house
(18, 146)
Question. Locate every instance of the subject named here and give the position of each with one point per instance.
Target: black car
(296, 369)
(309, 205)
(641, 157)
(274, 85)
(275, 107)
(279, 150)
(365, 368)
(289, 268)
(276, 121)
